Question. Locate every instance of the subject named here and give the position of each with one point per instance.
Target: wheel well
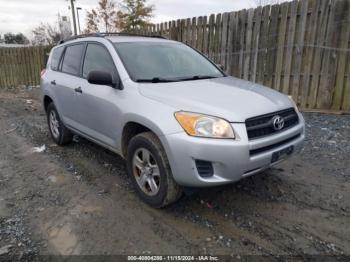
(130, 130)
(47, 101)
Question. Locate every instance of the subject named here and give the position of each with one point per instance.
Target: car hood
(228, 97)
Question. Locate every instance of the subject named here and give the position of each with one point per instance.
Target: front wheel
(149, 169)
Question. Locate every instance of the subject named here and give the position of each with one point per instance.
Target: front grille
(273, 146)
(261, 126)
(204, 168)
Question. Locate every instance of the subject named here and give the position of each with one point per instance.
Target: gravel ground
(78, 199)
(328, 139)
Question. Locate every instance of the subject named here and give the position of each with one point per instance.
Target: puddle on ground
(56, 179)
(64, 240)
(60, 231)
(85, 209)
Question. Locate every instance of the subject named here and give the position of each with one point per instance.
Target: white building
(65, 27)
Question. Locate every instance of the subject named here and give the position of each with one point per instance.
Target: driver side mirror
(102, 78)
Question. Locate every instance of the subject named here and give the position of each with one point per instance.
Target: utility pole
(78, 8)
(73, 14)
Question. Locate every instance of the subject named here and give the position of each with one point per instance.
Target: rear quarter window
(56, 56)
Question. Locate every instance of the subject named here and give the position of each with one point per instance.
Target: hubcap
(54, 124)
(146, 171)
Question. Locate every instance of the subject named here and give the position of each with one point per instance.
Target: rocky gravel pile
(328, 140)
(18, 241)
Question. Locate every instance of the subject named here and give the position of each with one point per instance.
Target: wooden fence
(21, 65)
(300, 48)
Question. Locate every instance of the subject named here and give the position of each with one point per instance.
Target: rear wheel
(59, 133)
(149, 169)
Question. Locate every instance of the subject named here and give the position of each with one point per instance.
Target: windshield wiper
(167, 80)
(198, 77)
(156, 80)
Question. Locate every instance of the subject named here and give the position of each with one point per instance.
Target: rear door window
(98, 58)
(72, 59)
(56, 56)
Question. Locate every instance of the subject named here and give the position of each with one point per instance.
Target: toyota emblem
(277, 123)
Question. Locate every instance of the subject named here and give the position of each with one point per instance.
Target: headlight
(294, 104)
(204, 126)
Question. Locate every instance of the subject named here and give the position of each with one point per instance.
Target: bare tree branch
(46, 34)
(102, 18)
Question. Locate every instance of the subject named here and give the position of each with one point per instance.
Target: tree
(19, 38)
(107, 13)
(103, 18)
(46, 34)
(133, 14)
(92, 21)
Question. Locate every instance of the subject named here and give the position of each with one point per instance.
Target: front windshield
(160, 61)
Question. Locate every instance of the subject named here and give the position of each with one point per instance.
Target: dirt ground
(78, 199)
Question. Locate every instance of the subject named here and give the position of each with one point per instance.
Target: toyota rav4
(174, 115)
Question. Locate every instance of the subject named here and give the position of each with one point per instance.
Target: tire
(168, 190)
(61, 135)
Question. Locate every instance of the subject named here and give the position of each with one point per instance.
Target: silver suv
(175, 116)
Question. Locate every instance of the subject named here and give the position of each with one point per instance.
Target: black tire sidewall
(50, 108)
(142, 142)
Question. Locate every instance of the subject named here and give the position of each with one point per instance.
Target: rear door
(99, 112)
(53, 74)
(66, 83)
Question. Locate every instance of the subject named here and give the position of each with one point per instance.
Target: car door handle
(78, 90)
(53, 82)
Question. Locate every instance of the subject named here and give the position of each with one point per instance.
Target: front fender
(160, 124)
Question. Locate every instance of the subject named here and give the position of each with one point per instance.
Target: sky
(24, 15)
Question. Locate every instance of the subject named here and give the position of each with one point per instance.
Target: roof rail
(79, 36)
(104, 34)
(129, 34)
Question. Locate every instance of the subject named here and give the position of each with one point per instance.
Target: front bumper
(231, 159)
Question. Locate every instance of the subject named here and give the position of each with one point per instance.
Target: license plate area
(281, 154)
